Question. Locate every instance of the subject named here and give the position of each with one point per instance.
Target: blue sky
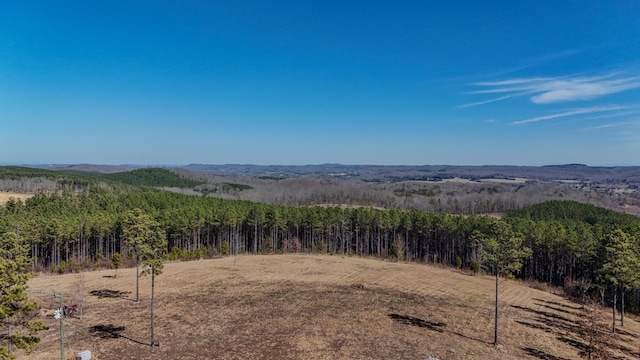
(311, 82)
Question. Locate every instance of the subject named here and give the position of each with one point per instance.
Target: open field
(310, 307)
(5, 196)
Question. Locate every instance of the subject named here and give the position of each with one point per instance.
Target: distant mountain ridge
(392, 173)
(106, 169)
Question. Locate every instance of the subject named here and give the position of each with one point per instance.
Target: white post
(59, 314)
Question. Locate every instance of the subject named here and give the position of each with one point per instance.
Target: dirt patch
(307, 307)
(630, 209)
(506, 181)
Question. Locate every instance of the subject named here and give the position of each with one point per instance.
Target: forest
(450, 189)
(79, 225)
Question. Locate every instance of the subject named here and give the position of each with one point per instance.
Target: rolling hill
(312, 307)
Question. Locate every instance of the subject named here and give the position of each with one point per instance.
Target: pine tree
(153, 253)
(137, 229)
(16, 310)
(502, 252)
(116, 263)
(620, 267)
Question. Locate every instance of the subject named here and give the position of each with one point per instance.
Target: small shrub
(397, 249)
(116, 263)
(475, 267)
(458, 262)
(224, 248)
(197, 254)
(175, 254)
(62, 267)
(268, 245)
(595, 332)
(322, 247)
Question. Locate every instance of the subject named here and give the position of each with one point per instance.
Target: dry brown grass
(5, 196)
(312, 307)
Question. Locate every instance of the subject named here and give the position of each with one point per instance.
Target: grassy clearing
(311, 307)
(5, 196)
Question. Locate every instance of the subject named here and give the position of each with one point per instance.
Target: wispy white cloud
(609, 116)
(483, 102)
(547, 90)
(583, 89)
(538, 60)
(590, 110)
(516, 81)
(613, 125)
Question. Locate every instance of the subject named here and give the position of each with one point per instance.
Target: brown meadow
(311, 307)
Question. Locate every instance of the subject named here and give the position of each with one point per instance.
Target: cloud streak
(548, 90)
(583, 89)
(535, 61)
(614, 115)
(590, 110)
(483, 102)
(613, 125)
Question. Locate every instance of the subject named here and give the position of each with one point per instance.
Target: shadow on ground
(107, 293)
(541, 354)
(107, 331)
(435, 326)
(573, 307)
(567, 330)
(112, 332)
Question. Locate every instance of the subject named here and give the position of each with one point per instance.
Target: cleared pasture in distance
(5, 196)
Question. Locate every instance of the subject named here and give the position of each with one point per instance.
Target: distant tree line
(565, 236)
(462, 198)
(23, 177)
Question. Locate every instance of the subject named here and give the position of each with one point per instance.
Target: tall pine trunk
(495, 334)
(622, 307)
(615, 300)
(137, 280)
(153, 336)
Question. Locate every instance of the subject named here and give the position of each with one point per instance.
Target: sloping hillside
(24, 179)
(312, 307)
(155, 177)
